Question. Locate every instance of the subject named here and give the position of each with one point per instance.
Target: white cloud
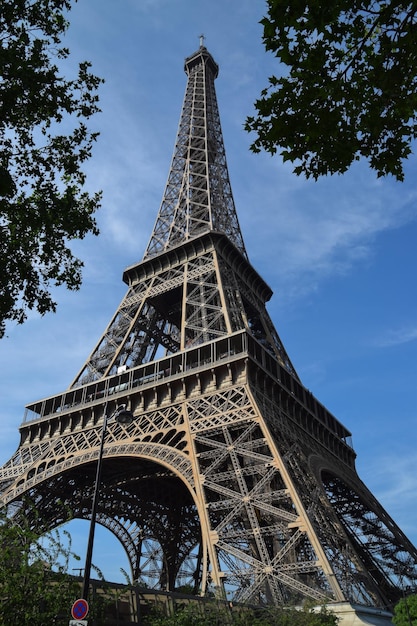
(322, 229)
(398, 336)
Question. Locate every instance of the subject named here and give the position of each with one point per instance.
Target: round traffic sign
(79, 609)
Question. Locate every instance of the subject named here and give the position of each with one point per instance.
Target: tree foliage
(405, 612)
(44, 142)
(34, 585)
(211, 614)
(351, 86)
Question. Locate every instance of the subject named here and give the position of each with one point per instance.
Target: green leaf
(351, 84)
(41, 176)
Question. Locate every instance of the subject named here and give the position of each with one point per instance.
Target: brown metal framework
(232, 477)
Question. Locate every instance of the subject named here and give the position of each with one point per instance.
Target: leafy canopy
(405, 612)
(351, 86)
(44, 143)
(36, 587)
(31, 593)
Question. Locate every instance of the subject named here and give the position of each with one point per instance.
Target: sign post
(79, 611)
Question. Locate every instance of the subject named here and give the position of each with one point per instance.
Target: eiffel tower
(233, 477)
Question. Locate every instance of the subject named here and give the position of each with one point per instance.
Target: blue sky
(339, 254)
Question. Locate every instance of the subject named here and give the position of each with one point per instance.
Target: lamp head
(123, 416)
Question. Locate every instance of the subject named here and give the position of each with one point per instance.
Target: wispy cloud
(394, 482)
(319, 230)
(396, 337)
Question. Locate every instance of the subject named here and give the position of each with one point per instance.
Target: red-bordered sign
(79, 609)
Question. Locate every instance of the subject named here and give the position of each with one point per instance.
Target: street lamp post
(122, 416)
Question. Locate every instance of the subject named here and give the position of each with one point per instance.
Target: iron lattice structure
(232, 476)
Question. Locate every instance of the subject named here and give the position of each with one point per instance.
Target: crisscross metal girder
(23, 459)
(367, 580)
(212, 307)
(234, 496)
(262, 571)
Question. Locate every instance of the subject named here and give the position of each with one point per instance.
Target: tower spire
(198, 196)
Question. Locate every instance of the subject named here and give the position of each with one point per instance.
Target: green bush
(405, 612)
(214, 615)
